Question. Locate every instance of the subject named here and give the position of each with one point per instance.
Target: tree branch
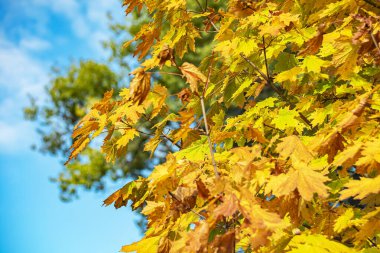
(373, 3)
(270, 82)
(148, 134)
(209, 19)
(164, 73)
(169, 139)
(254, 66)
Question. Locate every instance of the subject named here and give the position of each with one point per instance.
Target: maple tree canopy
(293, 171)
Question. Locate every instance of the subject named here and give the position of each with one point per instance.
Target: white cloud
(23, 73)
(87, 19)
(20, 75)
(95, 13)
(34, 44)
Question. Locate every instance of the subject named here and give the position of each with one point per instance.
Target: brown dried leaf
(198, 239)
(184, 95)
(330, 145)
(313, 45)
(256, 135)
(165, 55)
(202, 189)
(224, 243)
(140, 85)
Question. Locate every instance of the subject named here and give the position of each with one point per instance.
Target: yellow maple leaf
(313, 63)
(289, 75)
(318, 117)
(316, 244)
(302, 178)
(145, 245)
(347, 220)
(157, 98)
(127, 136)
(134, 190)
(347, 157)
(152, 144)
(152, 207)
(360, 189)
(292, 146)
(343, 221)
(345, 58)
(78, 147)
(370, 155)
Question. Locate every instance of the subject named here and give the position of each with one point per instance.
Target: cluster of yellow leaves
(286, 109)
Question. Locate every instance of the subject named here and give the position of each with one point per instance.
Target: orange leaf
(193, 75)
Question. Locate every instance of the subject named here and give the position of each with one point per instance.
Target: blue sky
(34, 35)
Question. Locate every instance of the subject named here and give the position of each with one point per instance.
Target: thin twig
(163, 135)
(371, 2)
(208, 75)
(269, 79)
(265, 58)
(375, 42)
(205, 121)
(208, 138)
(369, 239)
(271, 84)
(273, 128)
(188, 208)
(169, 139)
(165, 73)
(200, 6)
(213, 25)
(254, 66)
(209, 19)
(207, 31)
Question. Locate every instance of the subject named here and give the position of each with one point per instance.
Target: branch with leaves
(275, 155)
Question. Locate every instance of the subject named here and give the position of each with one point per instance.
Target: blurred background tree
(71, 92)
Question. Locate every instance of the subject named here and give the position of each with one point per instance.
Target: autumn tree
(276, 144)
